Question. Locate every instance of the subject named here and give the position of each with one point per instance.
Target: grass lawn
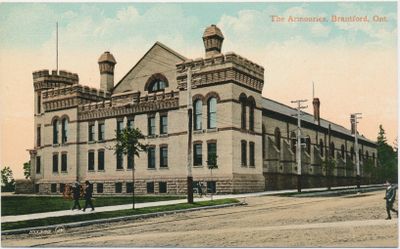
(111, 214)
(16, 205)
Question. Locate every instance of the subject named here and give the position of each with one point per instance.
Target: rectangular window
(118, 187)
(251, 148)
(91, 132)
(211, 187)
(129, 187)
(130, 123)
(38, 166)
(55, 163)
(39, 103)
(163, 156)
(151, 126)
(120, 160)
(91, 160)
(197, 155)
(162, 187)
(244, 152)
(99, 187)
(62, 187)
(101, 131)
(53, 188)
(164, 124)
(150, 187)
(38, 136)
(211, 154)
(64, 162)
(100, 160)
(130, 161)
(120, 126)
(151, 156)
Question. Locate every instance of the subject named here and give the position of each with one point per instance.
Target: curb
(59, 228)
(338, 191)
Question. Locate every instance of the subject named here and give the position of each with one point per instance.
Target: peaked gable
(158, 60)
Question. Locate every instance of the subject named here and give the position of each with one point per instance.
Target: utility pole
(189, 146)
(298, 147)
(353, 118)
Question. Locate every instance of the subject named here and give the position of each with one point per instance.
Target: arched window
(55, 131)
(321, 147)
(366, 155)
(342, 151)
(293, 142)
(252, 105)
(64, 130)
(277, 134)
(157, 82)
(198, 106)
(212, 113)
(373, 157)
(243, 100)
(332, 150)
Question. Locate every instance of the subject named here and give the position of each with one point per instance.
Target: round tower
(213, 39)
(106, 65)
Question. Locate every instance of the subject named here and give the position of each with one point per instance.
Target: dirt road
(347, 221)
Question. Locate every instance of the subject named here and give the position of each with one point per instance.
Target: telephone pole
(353, 118)
(189, 146)
(298, 147)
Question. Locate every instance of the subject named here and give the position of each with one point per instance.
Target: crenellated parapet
(42, 79)
(221, 68)
(71, 96)
(129, 103)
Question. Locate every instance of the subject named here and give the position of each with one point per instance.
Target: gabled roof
(283, 109)
(159, 44)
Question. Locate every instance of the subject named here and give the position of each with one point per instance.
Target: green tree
(387, 158)
(212, 164)
(7, 180)
(129, 143)
(27, 170)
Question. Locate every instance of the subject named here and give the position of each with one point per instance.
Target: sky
(353, 64)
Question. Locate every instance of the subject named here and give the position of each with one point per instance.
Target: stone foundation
(175, 186)
(24, 187)
(276, 181)
(248, 183)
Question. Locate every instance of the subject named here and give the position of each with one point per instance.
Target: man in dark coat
(390, 197)
(88, 196)
(76, 191)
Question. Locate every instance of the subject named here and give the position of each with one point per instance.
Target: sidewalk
(25, 217)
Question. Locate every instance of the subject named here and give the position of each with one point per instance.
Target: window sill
(151, 168)
(56, 145)
(243, 166)
(164, 167)
(252, 166)
(100, 170)
(91, 142)
(64, 144)
(163, 135)
(199, 131)
(212, 130)
(119, 169)
(101, 141)
(198, 166)
(151, 136)
(64, 172)
(91, 170)
(55, 173)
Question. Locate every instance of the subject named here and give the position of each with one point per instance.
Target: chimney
(106, 66)
(316, 105)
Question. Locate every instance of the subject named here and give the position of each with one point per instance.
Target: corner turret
(106, 65)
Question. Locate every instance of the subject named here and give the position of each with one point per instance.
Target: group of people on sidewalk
(76, 194)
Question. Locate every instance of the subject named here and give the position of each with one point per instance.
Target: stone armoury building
(253, 137)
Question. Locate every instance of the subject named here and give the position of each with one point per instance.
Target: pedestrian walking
(390, 197)
(88, 196)
(76, 193)
(200, 189)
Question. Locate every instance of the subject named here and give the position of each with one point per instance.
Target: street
(269, 221)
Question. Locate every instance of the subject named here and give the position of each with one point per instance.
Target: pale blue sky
(31, 25)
